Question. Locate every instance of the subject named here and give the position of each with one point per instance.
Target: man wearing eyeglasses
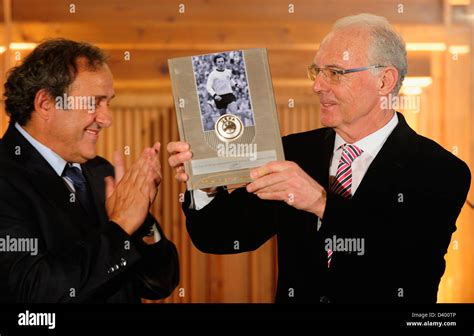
(364, 208)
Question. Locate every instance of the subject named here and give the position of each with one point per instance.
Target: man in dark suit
(364, 208)
(72, 232)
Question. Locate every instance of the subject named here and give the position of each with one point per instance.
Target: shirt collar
(54, 160)
(372, 142)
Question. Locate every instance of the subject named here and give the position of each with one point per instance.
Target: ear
(387, 80)
(44, 104)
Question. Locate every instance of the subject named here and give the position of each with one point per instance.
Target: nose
(104, 117)
(320, 84)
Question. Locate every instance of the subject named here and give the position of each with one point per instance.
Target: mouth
(327, 105)
(92, 132)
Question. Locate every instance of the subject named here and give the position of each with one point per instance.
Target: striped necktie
(342, 183)
(74, 174)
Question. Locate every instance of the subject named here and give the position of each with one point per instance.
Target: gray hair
(387, 46)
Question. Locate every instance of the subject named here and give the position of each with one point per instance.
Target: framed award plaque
(226, 111)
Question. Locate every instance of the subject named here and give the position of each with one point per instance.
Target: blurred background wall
(141, 35)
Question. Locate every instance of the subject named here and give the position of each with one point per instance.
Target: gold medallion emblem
(229, 128)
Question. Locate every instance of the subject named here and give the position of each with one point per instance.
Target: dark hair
(52, 66)
(215, 58)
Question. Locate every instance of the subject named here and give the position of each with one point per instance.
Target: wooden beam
(215, 35)
(284, 64)
(162, 35)
(154, 64)
(421, 11)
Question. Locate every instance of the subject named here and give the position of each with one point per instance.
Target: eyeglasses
(334, 75)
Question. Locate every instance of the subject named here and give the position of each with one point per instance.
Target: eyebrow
(104, 97)
(334, 66)
(330, 66)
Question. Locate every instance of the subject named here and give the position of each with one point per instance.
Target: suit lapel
(326, 155)
(323, 154)
(393, 156)
(97, 189)
(42, 176)
(54, 190)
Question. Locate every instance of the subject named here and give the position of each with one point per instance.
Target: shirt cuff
(156, 233)
(319, 224)
(199, 199)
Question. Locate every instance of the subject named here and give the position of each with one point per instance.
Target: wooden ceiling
(155, 30)
(123, 11)
(163, 24)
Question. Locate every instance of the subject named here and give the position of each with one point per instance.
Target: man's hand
(179, 154)
(217, 97)
(286, 181)
(130, 194)
(155, 177)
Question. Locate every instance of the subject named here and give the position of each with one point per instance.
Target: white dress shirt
(54, 160)
(371, 145)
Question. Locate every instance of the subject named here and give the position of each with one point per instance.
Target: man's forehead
(99, 75)
(94, 80)
(342, 47)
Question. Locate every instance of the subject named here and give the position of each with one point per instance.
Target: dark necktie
(74, 174)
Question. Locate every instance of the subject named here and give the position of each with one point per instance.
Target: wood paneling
(146, 64)
(457, 132)
(424, 11)
(471, 119)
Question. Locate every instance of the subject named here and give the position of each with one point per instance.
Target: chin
(88, 155)
(327, 120)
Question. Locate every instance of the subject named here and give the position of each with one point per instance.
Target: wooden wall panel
(470, 201)
(145, 64)
(456, 285)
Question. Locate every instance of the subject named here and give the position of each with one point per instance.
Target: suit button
(110, 270)
(324, 299)
(123, 262)
(116, 267)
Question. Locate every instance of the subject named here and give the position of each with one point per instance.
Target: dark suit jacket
(405, 209)
(80, 258)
